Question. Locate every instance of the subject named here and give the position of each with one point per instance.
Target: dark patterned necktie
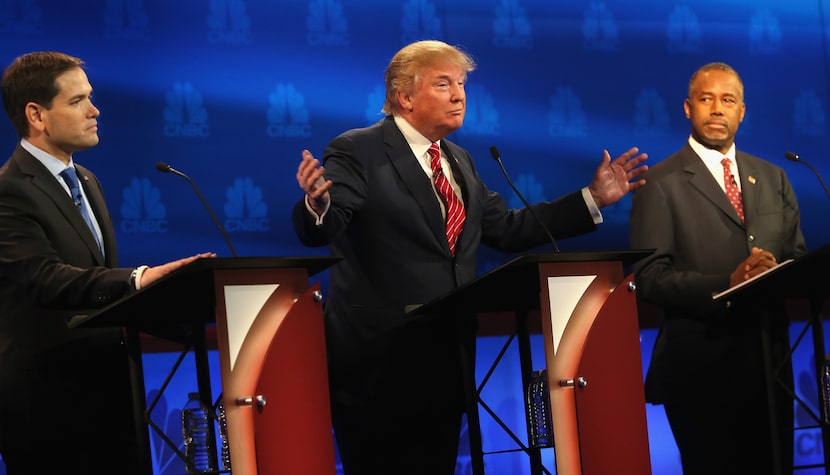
(455, 210)
(70, 176)
(732, 191)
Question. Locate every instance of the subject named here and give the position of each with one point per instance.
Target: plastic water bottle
(223, 434)
(825, 390)
(195, 420)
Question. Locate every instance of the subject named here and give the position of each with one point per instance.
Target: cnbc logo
(228, 23)
(287, 113)
(142, 210)
(185, 114)
(326, 23)
(245, 211)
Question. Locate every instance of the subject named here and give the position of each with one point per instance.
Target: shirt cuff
(318, 219)
(135, 276)
(592, 206)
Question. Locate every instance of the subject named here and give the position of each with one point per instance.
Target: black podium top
(805, 277)
(515, 285)
(186, 295)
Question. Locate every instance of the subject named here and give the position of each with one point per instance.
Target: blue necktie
(70, 176)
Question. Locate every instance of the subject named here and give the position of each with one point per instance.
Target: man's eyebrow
(712, 93)
(449, 77)
(81, 95)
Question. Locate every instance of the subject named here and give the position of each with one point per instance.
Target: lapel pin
(751, 179)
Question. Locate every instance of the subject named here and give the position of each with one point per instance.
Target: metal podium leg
(819, 354)
(200, 354)
(471, 396)
(526, 363)
(769, 372)
(136, 368)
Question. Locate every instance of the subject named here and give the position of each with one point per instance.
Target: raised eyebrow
(81, 96)
(711, 93)
(707, 94)
(447, 77)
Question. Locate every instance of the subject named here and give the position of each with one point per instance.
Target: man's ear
(34, 116)
(404, 100)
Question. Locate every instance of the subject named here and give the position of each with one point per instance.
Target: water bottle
(539, 420)
(223, 434)
(825, 390)
(195, 420)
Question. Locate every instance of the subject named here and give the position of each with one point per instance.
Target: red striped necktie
(455, 210)
(732, 191)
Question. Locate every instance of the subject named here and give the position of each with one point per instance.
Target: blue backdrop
(230, 92)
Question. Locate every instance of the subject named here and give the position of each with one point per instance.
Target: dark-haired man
(716, 217)
(65, 404)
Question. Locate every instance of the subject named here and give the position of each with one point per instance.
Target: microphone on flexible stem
(163, 167)
(795, 158)
(495, 153)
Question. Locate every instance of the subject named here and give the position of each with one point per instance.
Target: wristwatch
(135, 277)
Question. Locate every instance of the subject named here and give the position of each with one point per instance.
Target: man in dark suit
(65, 402)
(396, 384)
(707, 365)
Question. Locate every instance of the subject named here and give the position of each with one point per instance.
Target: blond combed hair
(406, 66)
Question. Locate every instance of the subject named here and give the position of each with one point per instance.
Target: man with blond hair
(406, 210)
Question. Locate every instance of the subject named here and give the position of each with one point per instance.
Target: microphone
(163, 167)
(795, 158)
(495, 153)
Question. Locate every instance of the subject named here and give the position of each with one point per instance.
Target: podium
(592, 352)
(804, 279)
(271, 345)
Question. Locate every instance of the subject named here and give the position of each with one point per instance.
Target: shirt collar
(709, 156)
(417, 142)
(53, 164)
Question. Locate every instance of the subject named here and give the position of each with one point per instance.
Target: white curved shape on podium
(242, 304)
(564, 293)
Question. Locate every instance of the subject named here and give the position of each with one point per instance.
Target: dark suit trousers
(403, 414)
(729, 437)
(83, 428)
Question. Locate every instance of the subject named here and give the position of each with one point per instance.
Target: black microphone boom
(163, 167)
(795, 158)
(495, 153)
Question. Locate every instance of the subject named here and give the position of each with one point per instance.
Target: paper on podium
(733, 289)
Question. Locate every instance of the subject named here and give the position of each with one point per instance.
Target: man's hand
(310, 178)
(758, 261)
(613, 180)
(152, 274)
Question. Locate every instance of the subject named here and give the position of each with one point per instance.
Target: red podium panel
(592, 351)
(269, 329)
(612, 362)
(293, 434)
(273, 361)
(595, 376)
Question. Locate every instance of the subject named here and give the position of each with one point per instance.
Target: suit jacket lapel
(99, 207)
(461, 171)
(414, 178)
(465, 176)
(44, 181)
(701, 179)
(749, 187)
